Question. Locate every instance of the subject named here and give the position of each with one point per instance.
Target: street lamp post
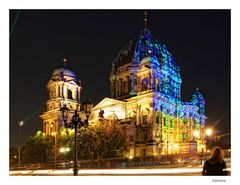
(202, 161)
(20, 124)
(208, 132)
(75, 123)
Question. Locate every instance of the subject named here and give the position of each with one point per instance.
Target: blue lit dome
(64, 73)
(145, 45)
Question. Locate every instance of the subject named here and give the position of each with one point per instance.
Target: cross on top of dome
(65, 61)
(145, 19)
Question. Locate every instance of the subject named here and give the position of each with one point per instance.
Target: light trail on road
(166, 171)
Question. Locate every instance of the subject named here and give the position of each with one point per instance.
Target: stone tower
(62, 88)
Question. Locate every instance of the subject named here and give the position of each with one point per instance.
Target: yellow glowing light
(176, 145)
(179, 160)
(21, 123)
(15, 156)
(130, 157)
(196, 133)
(209, 132)
(162, 153)
(53, 133)
(67, 149)
(62, 150)
(208, 151)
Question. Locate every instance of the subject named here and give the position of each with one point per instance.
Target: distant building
(145, 88)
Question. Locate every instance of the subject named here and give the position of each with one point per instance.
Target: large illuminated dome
(145, 45)
(145, 53)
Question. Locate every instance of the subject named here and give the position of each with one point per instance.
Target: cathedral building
(145, 89)
(145, 99)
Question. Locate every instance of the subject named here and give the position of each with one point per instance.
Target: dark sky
(198, 39)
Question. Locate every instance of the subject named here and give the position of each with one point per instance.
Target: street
(190, 170)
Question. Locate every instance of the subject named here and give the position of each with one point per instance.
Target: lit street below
(168, 171)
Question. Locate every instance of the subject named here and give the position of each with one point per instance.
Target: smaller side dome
(64, 73)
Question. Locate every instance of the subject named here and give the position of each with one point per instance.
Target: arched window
(51, 127)
(69, 93)
(144, 84)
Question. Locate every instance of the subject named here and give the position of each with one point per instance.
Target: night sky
(199, 41)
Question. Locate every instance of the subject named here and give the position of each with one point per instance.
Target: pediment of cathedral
(107, 102)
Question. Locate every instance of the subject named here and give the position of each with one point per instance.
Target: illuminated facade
(62, 88)
(145, 88)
